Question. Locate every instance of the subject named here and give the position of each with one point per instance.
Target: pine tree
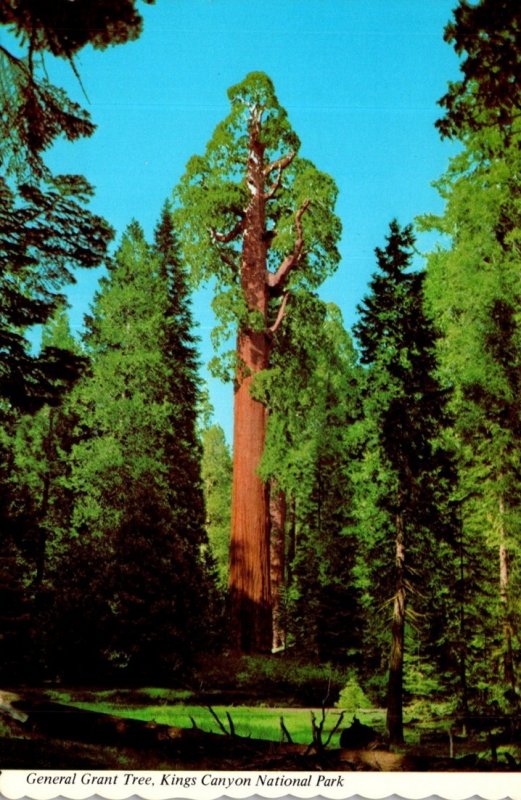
(178, 344)
(473, 290)
(47, 232)
(405, 405)
(37, 505)
(137, 512)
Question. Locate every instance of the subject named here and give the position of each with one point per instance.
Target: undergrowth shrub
(352, 697)
(274, 676)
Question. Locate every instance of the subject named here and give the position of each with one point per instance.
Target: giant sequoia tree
(259, 220)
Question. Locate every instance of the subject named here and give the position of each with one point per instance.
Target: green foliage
(487, 35)
(47, 229)
(216, 473)
(287, 679)
(473, 291)
(46, 233)
(421, 678)
(404, 469)
(311, 391)
(212, 197)
(352, 697)
(137, 547)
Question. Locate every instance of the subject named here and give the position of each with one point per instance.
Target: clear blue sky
(359, 79)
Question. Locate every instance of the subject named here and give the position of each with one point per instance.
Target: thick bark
(249, 587)
(395, 684)
(250, 608)
(277, 564)
(250, 603)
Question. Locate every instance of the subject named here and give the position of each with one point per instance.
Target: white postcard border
(214, 784)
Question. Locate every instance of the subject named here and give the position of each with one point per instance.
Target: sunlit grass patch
(248, 721)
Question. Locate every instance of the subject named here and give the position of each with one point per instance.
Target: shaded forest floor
(255, 713)
(161, 729)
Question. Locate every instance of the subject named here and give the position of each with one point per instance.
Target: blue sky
(359, 80)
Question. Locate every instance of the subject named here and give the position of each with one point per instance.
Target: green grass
(256, 722)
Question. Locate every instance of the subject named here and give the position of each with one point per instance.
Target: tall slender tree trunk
(49, 452)
(463, 629)
(395, 684)
(249, 587)
(291, 537)
(508, 657)
(278, 509)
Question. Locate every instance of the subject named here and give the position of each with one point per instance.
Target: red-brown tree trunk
(395, 684)
(250, 604)
(277, 560)
(249, 587)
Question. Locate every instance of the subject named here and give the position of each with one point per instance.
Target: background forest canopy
(372, 491)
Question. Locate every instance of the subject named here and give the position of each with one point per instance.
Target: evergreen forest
(355, 550)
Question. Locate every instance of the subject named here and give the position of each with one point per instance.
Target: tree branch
(218, 721)
(228, 260)
(335, 727)
(280, 314)
(17, 61)
(225, 238)
(275, 186)
(280, 164)
(277, 279)
(285, 732)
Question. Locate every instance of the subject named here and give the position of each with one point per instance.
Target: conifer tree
(487, 36)
(260, 220)
(137, 511)
(473, 291)
(47, 229)
(178, 344)
(42, 443)
(405, 404)
(311, 391)
(37, 506)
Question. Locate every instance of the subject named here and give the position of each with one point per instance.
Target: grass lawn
(166, 707)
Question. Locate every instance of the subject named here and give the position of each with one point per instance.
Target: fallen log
(380, 760)
(193, 747)
(59, 721)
